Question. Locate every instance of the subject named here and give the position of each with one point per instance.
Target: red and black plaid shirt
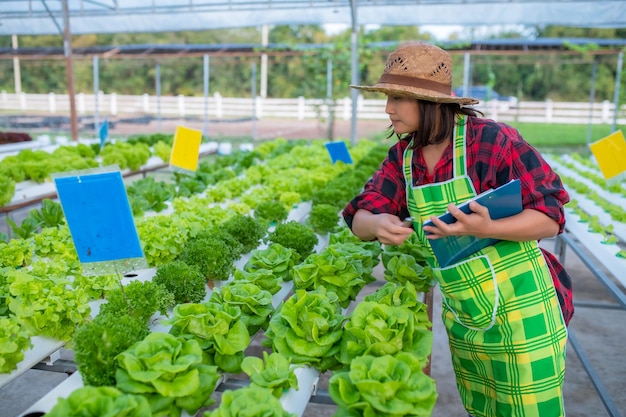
(495, 154)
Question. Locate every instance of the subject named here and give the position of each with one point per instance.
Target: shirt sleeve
(542, 189)
(385, 191)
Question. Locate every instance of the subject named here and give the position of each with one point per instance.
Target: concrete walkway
(600, 331)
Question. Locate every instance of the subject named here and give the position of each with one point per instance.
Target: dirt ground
(264, 129)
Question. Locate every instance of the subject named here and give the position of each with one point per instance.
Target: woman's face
(403, 114)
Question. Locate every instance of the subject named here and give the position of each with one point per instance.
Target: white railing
(218, 107)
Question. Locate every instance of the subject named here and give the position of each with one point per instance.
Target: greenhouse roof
(30, 17)
(490, 46)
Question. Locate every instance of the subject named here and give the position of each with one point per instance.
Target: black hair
(437, 122)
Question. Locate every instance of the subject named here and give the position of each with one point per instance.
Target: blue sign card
(339, 152)
(104, 132)
(100, 220)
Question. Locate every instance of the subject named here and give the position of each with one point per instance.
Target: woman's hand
(477, 223)
(387, 228)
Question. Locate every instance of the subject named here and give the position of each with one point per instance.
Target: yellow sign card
(186, 149)
(610, 152)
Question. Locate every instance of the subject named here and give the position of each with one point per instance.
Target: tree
(303, 72)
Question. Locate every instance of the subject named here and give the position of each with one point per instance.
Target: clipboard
(504, 201)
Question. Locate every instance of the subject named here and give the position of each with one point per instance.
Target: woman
(506, 307)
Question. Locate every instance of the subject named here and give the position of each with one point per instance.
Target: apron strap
(458, 156)
(459, 148)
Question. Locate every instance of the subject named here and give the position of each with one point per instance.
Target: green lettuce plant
(96, 286)
(55, 242)
(345, 235)
(163, 150)
(125, 155)
(46, 306)
(163, 238)
(188, 186)
(276, 258)
(378, 329)
(100, 402)
(5, 296)
(98, 342)
(255, 303)
(220, 331)
(230, 190)
(271, 211)
(343, 268)
(323, 218)
(308, 328)
(150, 194)
(11, 168)
(383, 386)
(246, 229)
(400, 295)
(407, 262)
(274, 371)
(170, 372)
(27, 228)
(296, 236)
(411, 246)
(218, 233)
(403, 268)
(7, 190)
(184, 281)
(241, 208)
(152, 139)
(16, 253)
(265, 279)
(212, 257)
(14, 341)
(335, 194)
(289, 199)
(250, 401)
(49, 215)
(138, 299)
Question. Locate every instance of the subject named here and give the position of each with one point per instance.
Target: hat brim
(414, 92)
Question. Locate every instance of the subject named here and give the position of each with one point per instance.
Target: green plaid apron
(506, 332)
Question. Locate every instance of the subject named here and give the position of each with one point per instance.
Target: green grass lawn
(554, 138)
(562, 137)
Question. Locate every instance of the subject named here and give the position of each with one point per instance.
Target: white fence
(218, 107)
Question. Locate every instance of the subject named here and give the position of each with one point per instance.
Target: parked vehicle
(486, 94)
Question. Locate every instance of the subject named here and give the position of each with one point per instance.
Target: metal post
(618, 75)
(467, 65)
(355, 71)
(329, 98)
(17, 77)
(592, 96)
(253, 94)
(264, 42)
(158, 93)
(609, 405)
(206, 95)
(67, 49)
(96, 91)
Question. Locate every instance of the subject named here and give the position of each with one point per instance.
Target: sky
(443, 32)
(438, 32)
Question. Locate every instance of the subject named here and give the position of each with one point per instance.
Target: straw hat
(419, 70)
